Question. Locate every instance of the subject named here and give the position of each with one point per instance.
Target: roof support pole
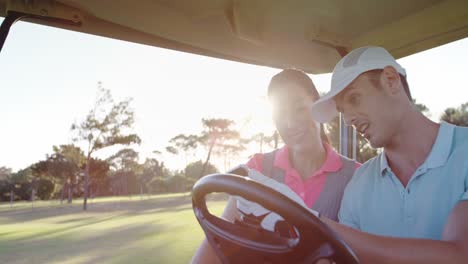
(49, 11)
(9, 20)
(348, 142)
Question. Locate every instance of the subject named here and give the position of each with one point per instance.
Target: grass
(6, 206)
(156, 229)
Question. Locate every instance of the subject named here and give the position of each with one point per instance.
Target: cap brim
(324, 109)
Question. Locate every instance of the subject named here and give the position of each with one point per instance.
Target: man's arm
(453, 248)
(205, 253)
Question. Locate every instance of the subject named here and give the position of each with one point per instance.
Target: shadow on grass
(65, 228)
(135, 206)
(6, 233)
(96, 247)
(109, 232)
(24, 215)
(171, 246)
(76, 219)
(79, 219)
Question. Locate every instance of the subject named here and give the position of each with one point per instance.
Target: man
(410, 203)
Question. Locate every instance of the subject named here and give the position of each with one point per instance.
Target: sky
(49, 80)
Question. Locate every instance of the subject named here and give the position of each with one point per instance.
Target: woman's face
(291, 114)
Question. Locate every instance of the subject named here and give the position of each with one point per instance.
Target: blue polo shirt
(376, 202)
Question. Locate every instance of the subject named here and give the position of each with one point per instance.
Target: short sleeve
(256, 162)
(348, 213)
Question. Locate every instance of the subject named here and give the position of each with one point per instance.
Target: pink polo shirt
(309, 190)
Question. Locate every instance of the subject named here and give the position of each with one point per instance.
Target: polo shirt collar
(439, 154)
(442, 147)
(383, 163)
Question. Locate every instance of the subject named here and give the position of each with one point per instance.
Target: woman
(307, 163)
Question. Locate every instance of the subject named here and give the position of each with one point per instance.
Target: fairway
(156, 229)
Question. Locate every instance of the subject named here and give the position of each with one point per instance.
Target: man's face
(368, 108)
(291, 114)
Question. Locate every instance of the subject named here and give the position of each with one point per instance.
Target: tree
(45, 188)
(176, 183)
(193, 170)
(6, 191)
(152, 168)
(42, 186)
(7, 184)
(124, 159)
(23, 180)
(457, 116)
(152, 175)
(172, 150)
(271, 141)
(217, 131)
(183, 143)
(99, 175)
(107, 124)
(65, 166)
(229, 150)
(125, 165)
(5, 173)
(260, 139)
(39, 171)
(63, 170)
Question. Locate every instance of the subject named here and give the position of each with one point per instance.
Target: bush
(193, 170)
(176, 184)
(157, 185)
(45, 188)
(4, 190)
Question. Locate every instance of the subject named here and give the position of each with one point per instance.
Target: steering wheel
(237, 243)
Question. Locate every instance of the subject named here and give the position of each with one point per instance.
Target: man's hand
(453, 248)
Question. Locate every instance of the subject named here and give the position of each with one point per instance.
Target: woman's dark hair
(296, 76)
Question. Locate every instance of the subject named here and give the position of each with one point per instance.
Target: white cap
(349, 68)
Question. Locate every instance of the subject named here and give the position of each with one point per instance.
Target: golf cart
(241, 241)
(311, 35)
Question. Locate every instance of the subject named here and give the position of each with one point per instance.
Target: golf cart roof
(311, 35)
